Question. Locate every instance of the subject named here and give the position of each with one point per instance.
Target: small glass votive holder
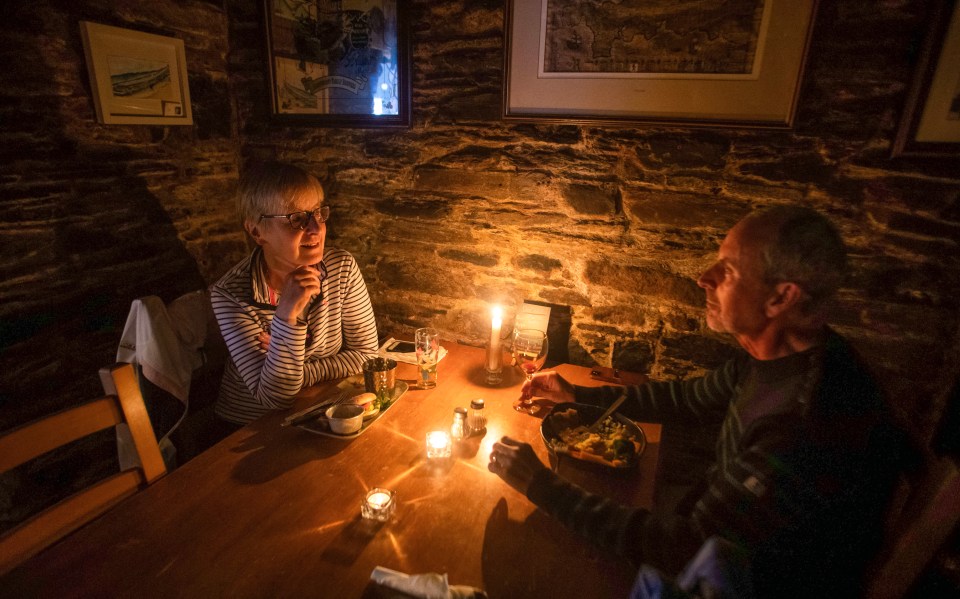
(438, 445)
(494, 366)
(378, 504)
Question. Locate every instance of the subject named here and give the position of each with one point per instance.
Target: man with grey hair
(806, 459)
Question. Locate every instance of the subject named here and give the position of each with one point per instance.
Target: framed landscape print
(702, 63)
(136, 78)
(338, 63)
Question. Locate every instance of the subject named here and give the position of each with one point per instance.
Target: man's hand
(515, 463)
(549, 385)
(300, 286)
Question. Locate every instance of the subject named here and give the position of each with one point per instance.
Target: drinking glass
(529, 353)
(427, 341)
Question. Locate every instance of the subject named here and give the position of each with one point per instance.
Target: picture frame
(136, 78)
(930, 122)
(338, 63)
(566, 62)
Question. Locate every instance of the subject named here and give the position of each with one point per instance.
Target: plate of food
(371, 412)
(617, 443)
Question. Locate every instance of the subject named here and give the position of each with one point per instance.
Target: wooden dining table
(274, 511)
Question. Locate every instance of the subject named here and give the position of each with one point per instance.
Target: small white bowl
(345, 419)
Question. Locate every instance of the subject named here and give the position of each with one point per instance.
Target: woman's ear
(254, 232)
(784, 297)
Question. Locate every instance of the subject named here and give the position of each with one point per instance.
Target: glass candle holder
(438, 445)
(378, 504)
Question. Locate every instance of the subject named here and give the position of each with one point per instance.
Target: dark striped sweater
(333, 337)
(805, 465)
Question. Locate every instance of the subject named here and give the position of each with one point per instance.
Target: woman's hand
(300, 286)
(548, 384)
(515, 463)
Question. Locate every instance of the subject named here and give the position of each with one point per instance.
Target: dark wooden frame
(794, 57)
(344, 119)
(905, 142)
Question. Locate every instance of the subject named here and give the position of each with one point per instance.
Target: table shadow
(352, 540)
(265, 460)
(513, 563)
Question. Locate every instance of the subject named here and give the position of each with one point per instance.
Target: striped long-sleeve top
(331, 339)
(805, 464)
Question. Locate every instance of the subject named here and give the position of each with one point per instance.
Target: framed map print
(338, 63)
(701, 63)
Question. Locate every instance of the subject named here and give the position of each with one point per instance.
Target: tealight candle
(438, 444)
(378, 504)
(494, 355)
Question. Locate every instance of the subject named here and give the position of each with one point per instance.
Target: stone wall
(609, 225)
(613, 225)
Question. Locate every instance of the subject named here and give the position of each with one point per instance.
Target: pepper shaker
(478, 418)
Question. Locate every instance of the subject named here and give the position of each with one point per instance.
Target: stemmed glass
(529, 353)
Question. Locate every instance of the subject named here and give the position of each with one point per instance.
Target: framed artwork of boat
(136, 78)
(338, 63)
(722, 63)
(930, 123)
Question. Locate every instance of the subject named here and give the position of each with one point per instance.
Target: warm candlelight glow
(378, 504)
(378, 499)
(438, 444)
(493, 359)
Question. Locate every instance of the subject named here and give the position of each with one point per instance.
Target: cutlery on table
(613, 408)
(315, 410)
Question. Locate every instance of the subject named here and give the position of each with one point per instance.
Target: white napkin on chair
(427, 586)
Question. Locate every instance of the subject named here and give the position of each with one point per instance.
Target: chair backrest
(928, 517)
(22, 444)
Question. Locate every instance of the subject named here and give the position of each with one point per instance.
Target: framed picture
(338, 63)
(705, 63)
(136, 78)
(930, 124)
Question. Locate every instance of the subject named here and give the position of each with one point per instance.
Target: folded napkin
(406, 358)
(427, 586)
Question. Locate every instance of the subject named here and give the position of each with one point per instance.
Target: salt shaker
(478, 419)
(458, 430)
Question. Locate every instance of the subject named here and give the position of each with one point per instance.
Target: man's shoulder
(847, 384)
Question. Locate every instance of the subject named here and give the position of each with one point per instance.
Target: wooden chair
(123, 404)
(928, 517)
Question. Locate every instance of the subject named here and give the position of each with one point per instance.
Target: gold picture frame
(930, 123)
(136, 78)
(632, 62)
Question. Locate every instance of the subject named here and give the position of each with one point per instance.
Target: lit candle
(493, 355)
(438, 444)
(378, 504)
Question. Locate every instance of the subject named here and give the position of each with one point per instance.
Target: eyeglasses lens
(300, 220)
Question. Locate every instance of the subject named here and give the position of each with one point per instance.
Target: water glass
(427, 341)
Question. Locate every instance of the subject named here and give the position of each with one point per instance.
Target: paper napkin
(428, 586)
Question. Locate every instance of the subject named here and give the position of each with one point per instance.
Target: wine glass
(529, 353)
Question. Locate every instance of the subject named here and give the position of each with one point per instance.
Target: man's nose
(706, 279)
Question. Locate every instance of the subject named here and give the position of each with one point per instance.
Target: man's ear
(784, 297)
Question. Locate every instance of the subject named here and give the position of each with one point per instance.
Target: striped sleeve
(703, 399)
(330, 340)
(350, 324)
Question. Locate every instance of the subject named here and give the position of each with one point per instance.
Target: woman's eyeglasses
(300, 220)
